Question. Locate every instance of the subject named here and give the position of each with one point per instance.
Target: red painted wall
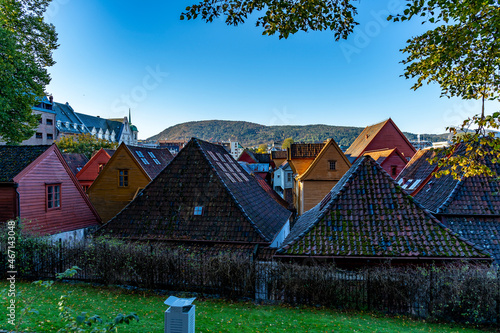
(8, 203)
(393, 160)
(387, 138)
(91, 170)
(74, 212)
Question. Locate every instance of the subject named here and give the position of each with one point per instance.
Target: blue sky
(115, 55)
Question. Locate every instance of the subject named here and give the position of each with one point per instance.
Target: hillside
(251, 134)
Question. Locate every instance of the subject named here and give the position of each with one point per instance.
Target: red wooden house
(37, 185)
(391, 160)
(93, 167)
(384, 135)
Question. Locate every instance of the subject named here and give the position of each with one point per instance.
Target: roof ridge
(450, 197)
(196, 141)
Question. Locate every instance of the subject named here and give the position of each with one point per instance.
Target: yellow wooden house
(128, 171)
(317, 169)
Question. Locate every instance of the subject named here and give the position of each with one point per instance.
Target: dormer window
(58, 123)
(82, 127)
(75, 126)
(66, 124)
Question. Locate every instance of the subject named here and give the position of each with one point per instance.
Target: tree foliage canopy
(26, 45)
(461, 52)
(284, 17)
(83, 144)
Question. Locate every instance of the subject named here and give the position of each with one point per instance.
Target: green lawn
(211, 315)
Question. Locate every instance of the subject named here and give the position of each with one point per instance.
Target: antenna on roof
(129, 116)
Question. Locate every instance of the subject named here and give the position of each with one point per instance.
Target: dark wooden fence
(454, 293)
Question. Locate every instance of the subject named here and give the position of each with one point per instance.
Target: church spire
(129, 116)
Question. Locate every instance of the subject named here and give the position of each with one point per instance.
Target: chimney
(51, 99)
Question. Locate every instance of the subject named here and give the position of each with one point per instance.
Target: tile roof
(364, 139)
(75, 161)
(418, 167)
(445, 195)
(484, 232)
(152, 160)
(202, 178)
(305, 150)
(367, 214)
(271, 192)
(279, 154)
(15, 158)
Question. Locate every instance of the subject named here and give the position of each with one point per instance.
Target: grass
(211, 315)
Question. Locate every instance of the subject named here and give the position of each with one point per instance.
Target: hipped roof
(367, 214)
(235, 207)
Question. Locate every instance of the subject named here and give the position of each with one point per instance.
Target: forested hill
(250, 134)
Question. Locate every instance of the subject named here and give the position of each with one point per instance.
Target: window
(40, 121)
(289, 177)
(100, 167)
(53, 195)
(198, 210)
(151, 154)
(394, 170)
(49, 122)
(332, 165)
(50, 136)
(123, 178)
(85, 188)
(39, 135)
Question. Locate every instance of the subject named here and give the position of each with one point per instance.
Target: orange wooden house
(317, 168)
(127, 172)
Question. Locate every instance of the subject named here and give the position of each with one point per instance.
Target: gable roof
(235, 207)
(152, 160)
(367, 214)
(75, 161)
(95, 156)
(381, 155)
(324, 149)
(366, 137)
(15, 159)
(475, 195)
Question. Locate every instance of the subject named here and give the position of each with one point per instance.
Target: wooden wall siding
(389, 137)
(74, 212)
(314, 191)
(8, 203)
(321, 169)
(90, 172)
(393, 160)
(105, 194)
